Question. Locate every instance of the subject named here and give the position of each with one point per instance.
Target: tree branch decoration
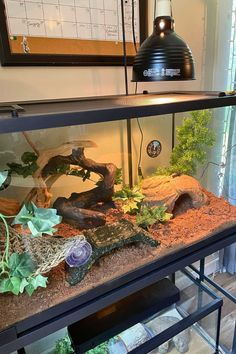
(76, 210)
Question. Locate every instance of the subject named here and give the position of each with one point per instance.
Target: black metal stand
(201, 278)
(21, 351)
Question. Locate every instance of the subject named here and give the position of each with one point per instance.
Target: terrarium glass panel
(71, 221)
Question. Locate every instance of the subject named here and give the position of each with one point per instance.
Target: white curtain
(221, 172)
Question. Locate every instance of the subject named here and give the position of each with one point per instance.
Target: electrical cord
(222, 165)
(140, 173)
(133, 28)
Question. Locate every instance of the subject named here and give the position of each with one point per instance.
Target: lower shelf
(166, 327)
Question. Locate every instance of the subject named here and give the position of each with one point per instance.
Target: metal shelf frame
(202, 278)
(46, 114)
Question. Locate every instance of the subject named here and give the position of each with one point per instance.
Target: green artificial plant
(194, 137)
(63, 346)
(17, 270)
(149, 216)
(28, 167)
(130, 198)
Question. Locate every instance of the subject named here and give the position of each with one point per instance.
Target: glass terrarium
(81, 205)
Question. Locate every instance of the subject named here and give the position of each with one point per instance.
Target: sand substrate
(187, 227)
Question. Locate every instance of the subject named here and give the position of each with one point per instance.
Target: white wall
(25, 83)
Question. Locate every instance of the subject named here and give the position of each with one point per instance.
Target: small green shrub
(63, 346)
(130, 198)
(194, 137)
(149, 216)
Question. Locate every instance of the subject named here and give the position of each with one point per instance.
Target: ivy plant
(64, 169)
(28, 167)
(149, 216)
(118, 176)
(17, 269)
(194, 137)
(38, 220)
(130, 199)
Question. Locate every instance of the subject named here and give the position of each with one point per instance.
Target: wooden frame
(8, 58)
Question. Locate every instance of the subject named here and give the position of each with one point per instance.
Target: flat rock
(166, 190)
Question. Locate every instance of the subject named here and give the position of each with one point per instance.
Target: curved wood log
(79, 217)
(75, 207)
(41, 192)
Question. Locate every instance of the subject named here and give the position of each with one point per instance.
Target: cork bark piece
(106, 238)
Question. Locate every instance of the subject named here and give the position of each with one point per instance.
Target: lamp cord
(171, 9)
(136, 89)
(133, 28)
(124, 48)
(128, 122)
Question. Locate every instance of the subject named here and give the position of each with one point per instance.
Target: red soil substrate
(188, 226)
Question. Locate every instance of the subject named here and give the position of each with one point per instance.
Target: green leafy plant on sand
(17, 270)
(149, 216)
(130, 199)
(194, 137)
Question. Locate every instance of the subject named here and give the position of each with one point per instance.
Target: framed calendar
(70, 32)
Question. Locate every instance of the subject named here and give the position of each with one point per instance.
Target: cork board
(77, 32)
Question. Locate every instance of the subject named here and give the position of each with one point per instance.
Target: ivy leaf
(11, 284)
(23, 284)
(30, 166)
(29, 157)
(5, 285)
(29, 289)
(36, 282)
(21, 265)
(3, 177)
(38, 220)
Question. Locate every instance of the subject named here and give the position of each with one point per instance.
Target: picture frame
(11, 46)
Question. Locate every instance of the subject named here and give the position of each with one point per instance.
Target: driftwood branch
(76, 207)
(41, 192)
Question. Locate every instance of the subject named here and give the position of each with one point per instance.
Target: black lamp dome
(164, 56)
